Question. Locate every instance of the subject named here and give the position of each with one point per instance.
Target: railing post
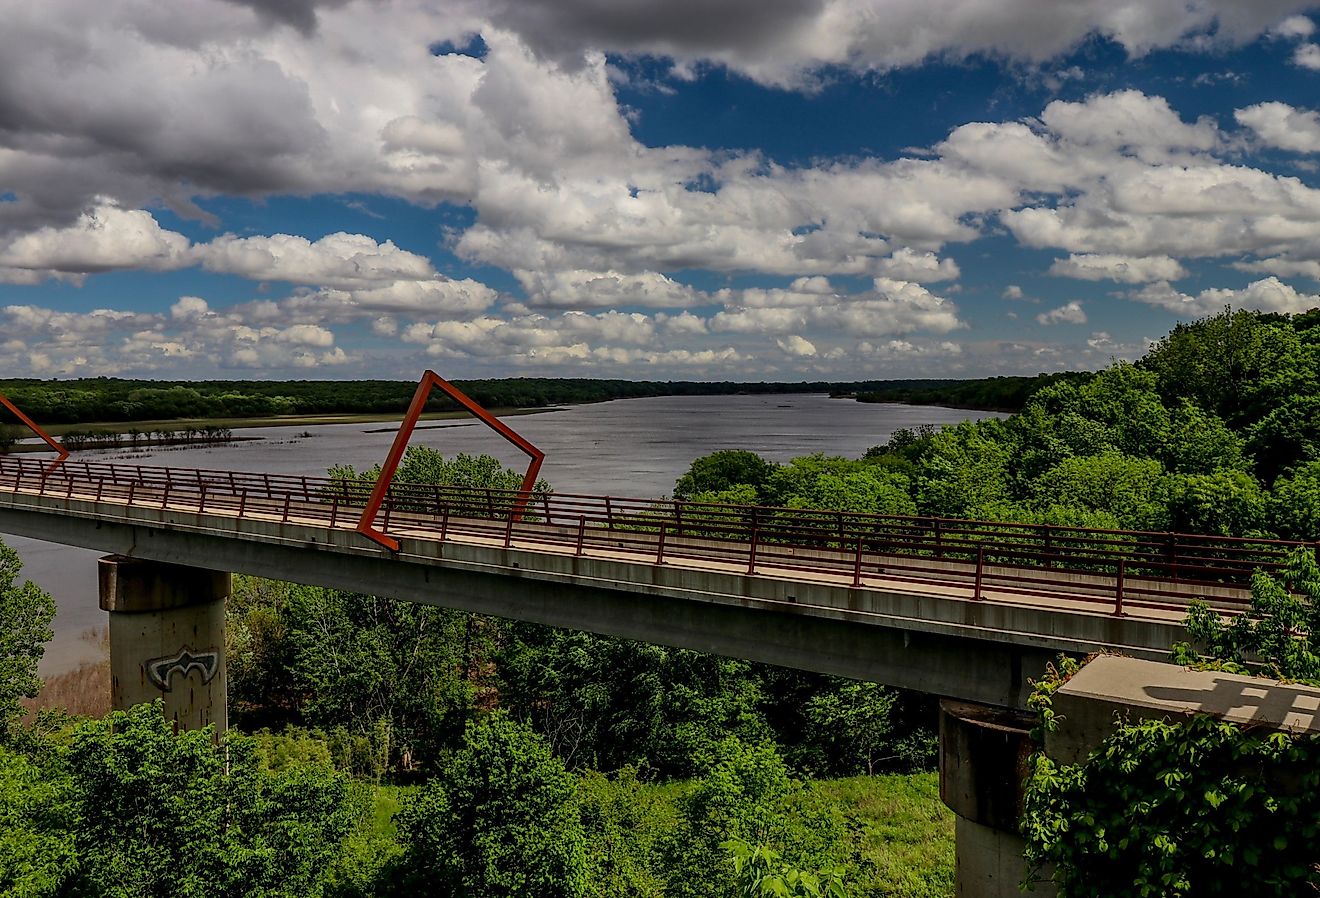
(508, 531)
(132, 485)
(165, 496)
(334, 512)
(242, 503)
(490, 505)
(1049, 558)
(609, 513)
(201, 503)
(980, 572)
(444, 523)
(751, 554)
(939, 538)
(1118, 593)
(678, 519)
(660, 546)
(857, 564)
(582, 532)
(100, 486)
(545, 501)
(288, 497)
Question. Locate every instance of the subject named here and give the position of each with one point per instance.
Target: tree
(1287, 435)
(965, 468)
(1280, 631)
(500, 821)
(37, 852)
(174, 815)
(1222, 503)
(722, 470)
(607, 703)
(1131, 489)
(746, 794)
(761, 872)
(1235, 364)
(26, 613)
(856, 717)
(1294, 504)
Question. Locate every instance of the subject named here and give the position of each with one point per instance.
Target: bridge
(966, 610)
(962, 609)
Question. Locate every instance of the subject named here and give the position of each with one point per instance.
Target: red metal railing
(1118, 571)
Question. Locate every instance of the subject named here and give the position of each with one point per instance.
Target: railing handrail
(1151, 568)
(297, 483)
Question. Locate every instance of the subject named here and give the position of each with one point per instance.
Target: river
(627, 447)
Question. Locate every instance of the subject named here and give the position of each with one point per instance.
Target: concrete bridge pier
(983, 767)
(167, 638)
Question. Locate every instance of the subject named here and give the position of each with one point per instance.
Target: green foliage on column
(1201, 807)
(1186, 810)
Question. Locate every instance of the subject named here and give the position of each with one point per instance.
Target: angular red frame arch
(32, 426)
(432, 381)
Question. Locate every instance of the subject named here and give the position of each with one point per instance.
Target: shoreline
(59, 430)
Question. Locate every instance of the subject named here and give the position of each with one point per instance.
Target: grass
(908, 833)
(906, 841)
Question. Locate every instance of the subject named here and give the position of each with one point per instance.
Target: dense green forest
(113, 400)
(1002, 394)
(381, 747)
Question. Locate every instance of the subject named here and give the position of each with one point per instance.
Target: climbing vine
(1198, 807)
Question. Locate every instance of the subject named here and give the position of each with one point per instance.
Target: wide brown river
(628, 447)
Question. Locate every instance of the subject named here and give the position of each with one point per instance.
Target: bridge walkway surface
(964, 609)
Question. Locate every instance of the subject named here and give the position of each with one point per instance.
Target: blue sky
(779, 189)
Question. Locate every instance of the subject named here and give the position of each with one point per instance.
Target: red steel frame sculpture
(45, 437)
(431, 381)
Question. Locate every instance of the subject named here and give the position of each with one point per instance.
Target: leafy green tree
(1280, 631)
(608, 703)
(857, 718)
(1236, 365)
(1222, 503)
(1294, 504)
(26, 613)
(1287, 435)
(761, 872)
(1131, 489)
(745, 794)
(424, 466)
(964, 468)
(722, 470)
(364, 662)
(174, 815)
(37, 851)
(839, 484)
(500, 821)
(1201, 443)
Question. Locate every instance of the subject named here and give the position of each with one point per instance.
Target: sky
(646, 189)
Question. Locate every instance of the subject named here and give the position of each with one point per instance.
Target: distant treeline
(1002, 394)
(112, 399)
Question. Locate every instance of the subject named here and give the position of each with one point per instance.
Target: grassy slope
(907, 846)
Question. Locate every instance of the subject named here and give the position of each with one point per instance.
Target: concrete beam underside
(989, 660)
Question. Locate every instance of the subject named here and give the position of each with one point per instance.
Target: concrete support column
(167, 638)
(983, 766)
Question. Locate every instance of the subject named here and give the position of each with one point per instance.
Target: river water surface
(627, 447)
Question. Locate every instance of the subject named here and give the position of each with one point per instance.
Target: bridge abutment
(983, 766)
(167, 638)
